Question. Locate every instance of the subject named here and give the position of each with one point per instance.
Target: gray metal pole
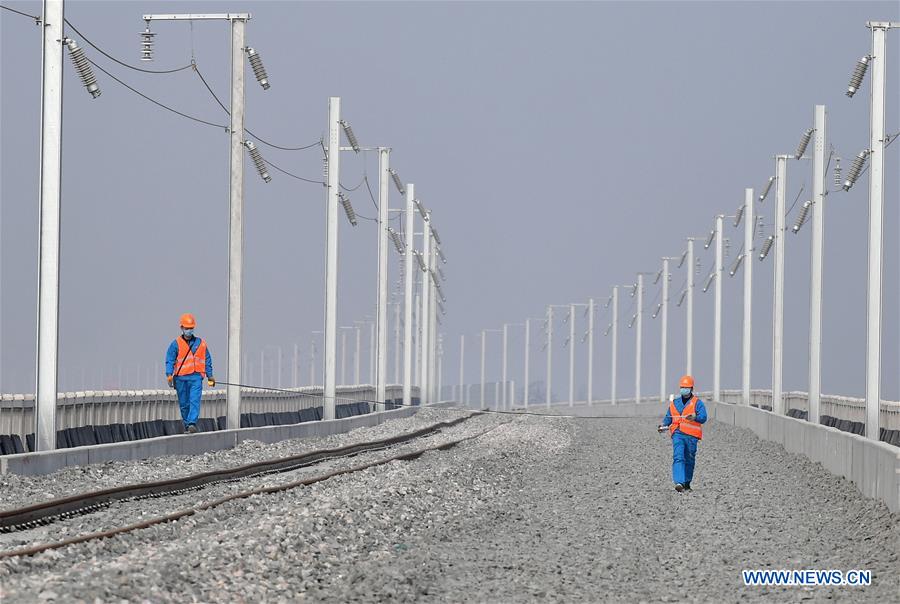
(424, 315)
(505, 400)
(637, 338)
(615, 344)
(49, 234)
(343, 357)
(372, 352)
(331, 255)
(434, 389)
(815, 269)
(439, 383)
(312, 363)
(295, 370)
(590, 336)
(876, 232)
(381, 309)
(717, 314)
(483, 340)
(571, 355)
(747, 342)
(664, 328)
(527, 361)
(417, 332)
(280, 364)
(778, 293)
(549, 355)
(462, 366)
(236, 226)
(356, 356)
(689, 310)
(397, 343)
(408, 296)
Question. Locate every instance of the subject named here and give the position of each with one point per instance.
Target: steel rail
(30, 551)
(50, 511)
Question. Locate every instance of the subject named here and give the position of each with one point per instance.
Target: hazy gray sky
(562, 147)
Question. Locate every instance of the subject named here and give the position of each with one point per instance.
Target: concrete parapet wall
(842, 407)
(189, 444)
(873, 466)
(75, 409)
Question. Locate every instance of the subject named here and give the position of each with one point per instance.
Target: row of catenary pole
(425, 260)
(813, 208)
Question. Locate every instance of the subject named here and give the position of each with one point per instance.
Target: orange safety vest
(689, 427)
(189, 362)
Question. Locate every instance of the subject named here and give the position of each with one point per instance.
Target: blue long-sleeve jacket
(172, 356)
(680, 404)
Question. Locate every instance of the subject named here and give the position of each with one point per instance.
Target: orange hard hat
(187, 320)
(686, 382)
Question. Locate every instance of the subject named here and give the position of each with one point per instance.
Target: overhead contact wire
(155, 102)
(247, 130)
(123, 63)
(37, 20)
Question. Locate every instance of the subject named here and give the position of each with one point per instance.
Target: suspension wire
(247, 130)
(274, 146)
(123, 63)
(350, 190)
(791, 209)
(372, 197)
(890, 139)
(158, 103)
(37, 20)
(292, 175)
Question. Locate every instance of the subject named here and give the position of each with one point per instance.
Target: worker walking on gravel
(188, 362)
(684, 419)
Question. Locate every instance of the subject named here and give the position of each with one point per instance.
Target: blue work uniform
(189, 387)
(684, 446)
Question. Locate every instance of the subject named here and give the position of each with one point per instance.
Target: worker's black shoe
(192, 429)
(687, 486)
(679, 487)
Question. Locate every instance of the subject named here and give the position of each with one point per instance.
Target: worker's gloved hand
(690, 417)
(211, 381)
(661, 428)
(171, 380)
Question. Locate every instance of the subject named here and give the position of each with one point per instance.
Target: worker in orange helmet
(684, 418)
(188, 363)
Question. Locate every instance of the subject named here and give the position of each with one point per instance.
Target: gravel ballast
(17, 491)
(537, 509)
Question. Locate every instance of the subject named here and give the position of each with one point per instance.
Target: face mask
(188, 333)
(685, 392)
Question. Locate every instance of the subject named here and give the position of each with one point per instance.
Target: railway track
(62, 508)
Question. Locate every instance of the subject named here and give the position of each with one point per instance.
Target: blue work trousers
(189, 389)
(684, 450)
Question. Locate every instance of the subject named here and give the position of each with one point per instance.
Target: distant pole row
(814, 207)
